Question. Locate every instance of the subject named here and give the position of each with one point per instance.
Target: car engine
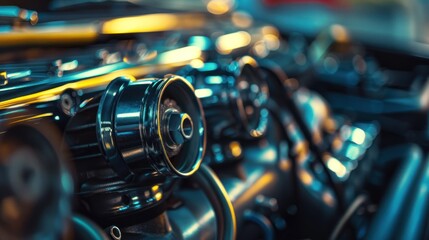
(213, 119)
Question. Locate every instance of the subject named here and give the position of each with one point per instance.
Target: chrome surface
(213, 218)
(233, 96)
(259, 132)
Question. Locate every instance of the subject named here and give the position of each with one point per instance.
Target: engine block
(152, 122)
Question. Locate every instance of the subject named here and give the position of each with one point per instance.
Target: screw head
(180, 127)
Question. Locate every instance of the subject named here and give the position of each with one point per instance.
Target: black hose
(219, 199)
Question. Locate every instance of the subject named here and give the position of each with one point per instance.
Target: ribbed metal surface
(82, 140)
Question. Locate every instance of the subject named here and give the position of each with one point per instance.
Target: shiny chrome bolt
(180, 127)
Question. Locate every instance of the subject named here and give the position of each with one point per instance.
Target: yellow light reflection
(271, 37)
(337, 143)
(248, 60)
(53, 93)
(330, 125)
(167, 61)
(228, 42)
(270, 30)
(305, 177)
(158, 196)
(155, 188)
(34, 117)
(197, 63)
(285, 165)
(152, 23)
(336, 166)
(260, 49)
(151, 55)
(218, 7)
(256, 133)
(317, 136)
(44, 35)
(264, 181)
(328, 199)
(3, 76)
(137, 24)
(301, 151)
(34, 18)
(180, 55)
(241, 19)
(319, 106)
(272, 42)
(339, 33)
(235, 148)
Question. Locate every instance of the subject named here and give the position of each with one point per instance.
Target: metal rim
(257, 130)
(170, 79)
(105, 121)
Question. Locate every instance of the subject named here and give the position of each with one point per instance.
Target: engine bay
(186, 120)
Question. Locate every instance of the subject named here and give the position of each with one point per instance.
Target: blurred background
(394, 23)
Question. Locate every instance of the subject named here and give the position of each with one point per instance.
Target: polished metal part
(179, 127)
(133, 141)
(185, 218)
(114, 232)
(254, 94)
(156, 123)
(234, 96)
